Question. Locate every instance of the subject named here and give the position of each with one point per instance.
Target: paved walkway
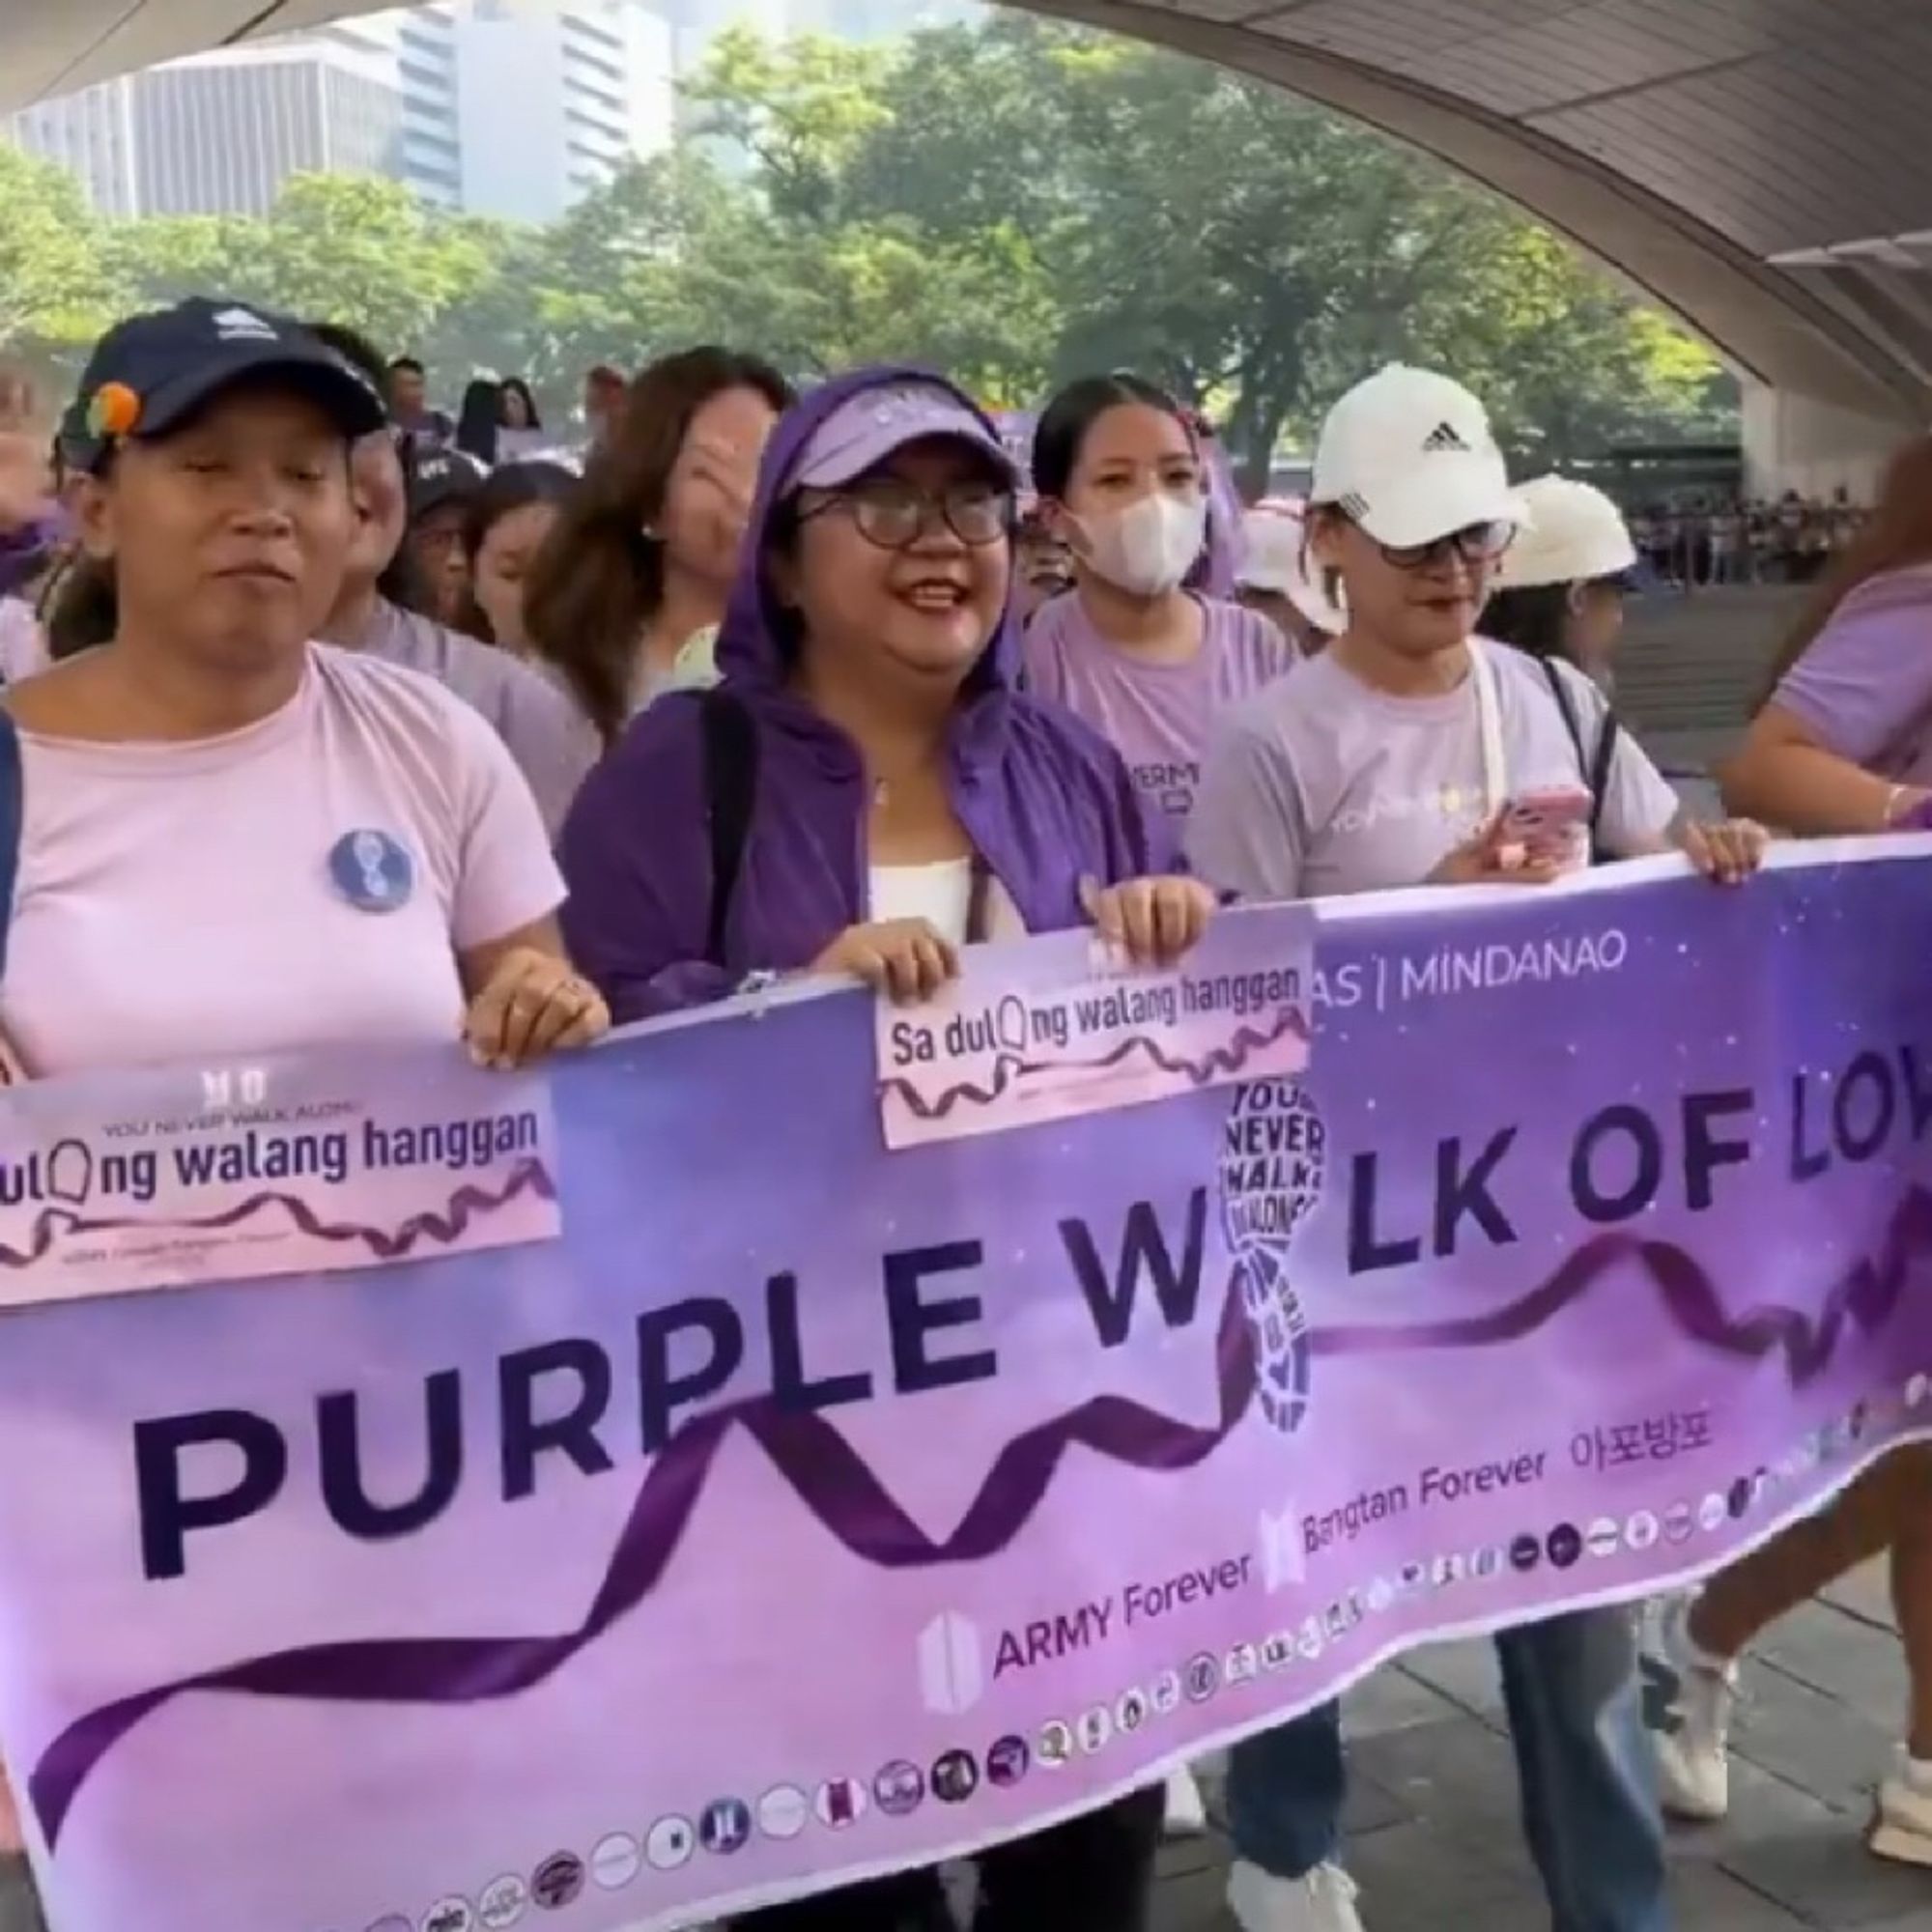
(1435, 1845)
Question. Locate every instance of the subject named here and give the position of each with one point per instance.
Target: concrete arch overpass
(1759, 167)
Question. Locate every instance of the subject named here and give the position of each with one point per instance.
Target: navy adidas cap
(153, 373)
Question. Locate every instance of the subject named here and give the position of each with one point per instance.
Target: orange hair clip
(114, 411)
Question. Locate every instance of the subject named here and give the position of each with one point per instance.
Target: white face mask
(1149, 547)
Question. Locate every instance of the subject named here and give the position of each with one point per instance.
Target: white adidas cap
(1575, 535)
(1274, 556)
(1408, 455)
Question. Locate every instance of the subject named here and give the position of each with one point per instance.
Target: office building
(552, 99)
(221, 134)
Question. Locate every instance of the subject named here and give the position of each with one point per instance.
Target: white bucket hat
(1575, 535)
(1274, 556)
(1410, 456)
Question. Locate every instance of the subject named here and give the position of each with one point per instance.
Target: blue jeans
(1588, 1778)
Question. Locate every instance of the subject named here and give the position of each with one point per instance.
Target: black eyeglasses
(895, 516)
(1474, 543)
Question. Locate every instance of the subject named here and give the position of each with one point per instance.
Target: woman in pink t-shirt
(1842, 744)
(233, 841)
(1133, 650)
(237, 841)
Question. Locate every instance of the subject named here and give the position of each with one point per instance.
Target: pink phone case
(1545, 814)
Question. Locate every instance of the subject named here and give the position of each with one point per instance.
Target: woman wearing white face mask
(1147, 661)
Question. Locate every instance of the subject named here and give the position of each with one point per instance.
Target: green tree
(363, 251)
(58, 290)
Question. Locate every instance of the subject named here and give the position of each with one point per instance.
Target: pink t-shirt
(307, 880)
(1159, 717)
(1864, 687)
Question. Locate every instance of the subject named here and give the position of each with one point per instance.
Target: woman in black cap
(443, 484)
(217, 797)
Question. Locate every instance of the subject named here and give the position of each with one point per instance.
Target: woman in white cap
(1275, 575)
(1389, 761)
(1560, 585)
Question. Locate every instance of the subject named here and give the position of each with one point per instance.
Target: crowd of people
(1709, 543)
(338, 720)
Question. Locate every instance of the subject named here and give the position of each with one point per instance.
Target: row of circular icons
(726, 1826)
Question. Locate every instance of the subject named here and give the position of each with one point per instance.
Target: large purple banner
(804, 1509)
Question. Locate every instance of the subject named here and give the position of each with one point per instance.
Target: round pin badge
(372, 870)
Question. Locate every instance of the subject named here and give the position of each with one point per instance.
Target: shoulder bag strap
(730, 787)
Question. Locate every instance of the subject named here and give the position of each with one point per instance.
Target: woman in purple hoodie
(863, 794)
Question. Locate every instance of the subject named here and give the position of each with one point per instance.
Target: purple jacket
(1045, 801)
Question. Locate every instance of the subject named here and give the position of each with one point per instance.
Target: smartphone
(1547, 817)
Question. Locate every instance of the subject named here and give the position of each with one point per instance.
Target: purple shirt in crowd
(1863, 688)
(1159, 717)
(554, 746)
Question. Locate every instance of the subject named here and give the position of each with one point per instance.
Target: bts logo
(726, 1826)
(220, 1090)
(1284, 1563)
(951, 1675)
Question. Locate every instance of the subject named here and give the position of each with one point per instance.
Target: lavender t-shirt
(1159, 717)
(1863, 688)
(1323, 785)
(554, 746)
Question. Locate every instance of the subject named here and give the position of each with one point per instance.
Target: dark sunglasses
(1475, 543)
(895, 516)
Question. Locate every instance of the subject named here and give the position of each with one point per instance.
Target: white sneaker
(1693, 1760)
(1186, 1815)
(1902, 1829)
(1323, 1900)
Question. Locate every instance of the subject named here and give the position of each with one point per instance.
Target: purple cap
(862, 434)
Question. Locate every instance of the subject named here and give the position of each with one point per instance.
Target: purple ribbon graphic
(830, 1478)
(834, 1484)
(1868, 1293)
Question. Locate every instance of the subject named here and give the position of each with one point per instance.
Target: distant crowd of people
(1707, 544)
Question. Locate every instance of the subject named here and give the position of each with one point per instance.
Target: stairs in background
(1689, 669)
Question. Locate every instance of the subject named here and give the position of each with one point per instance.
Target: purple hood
(27, 551)
(1045, 801)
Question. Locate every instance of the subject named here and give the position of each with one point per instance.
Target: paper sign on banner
(1052, 1028)
(236, 1173)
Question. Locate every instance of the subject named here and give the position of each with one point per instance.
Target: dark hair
(1061, 430)
(514, 487)
(480, 420)
(80, 606)
(599, 579)
(521, 389)
(1533, 617)
(1897, 535)
(354, 346)
(406, 365)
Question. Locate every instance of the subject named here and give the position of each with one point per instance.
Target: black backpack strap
(730, 787)
(1595, 766)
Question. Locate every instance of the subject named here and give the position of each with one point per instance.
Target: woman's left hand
(1729, 851)
(531, 1005)
(1152, 922)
